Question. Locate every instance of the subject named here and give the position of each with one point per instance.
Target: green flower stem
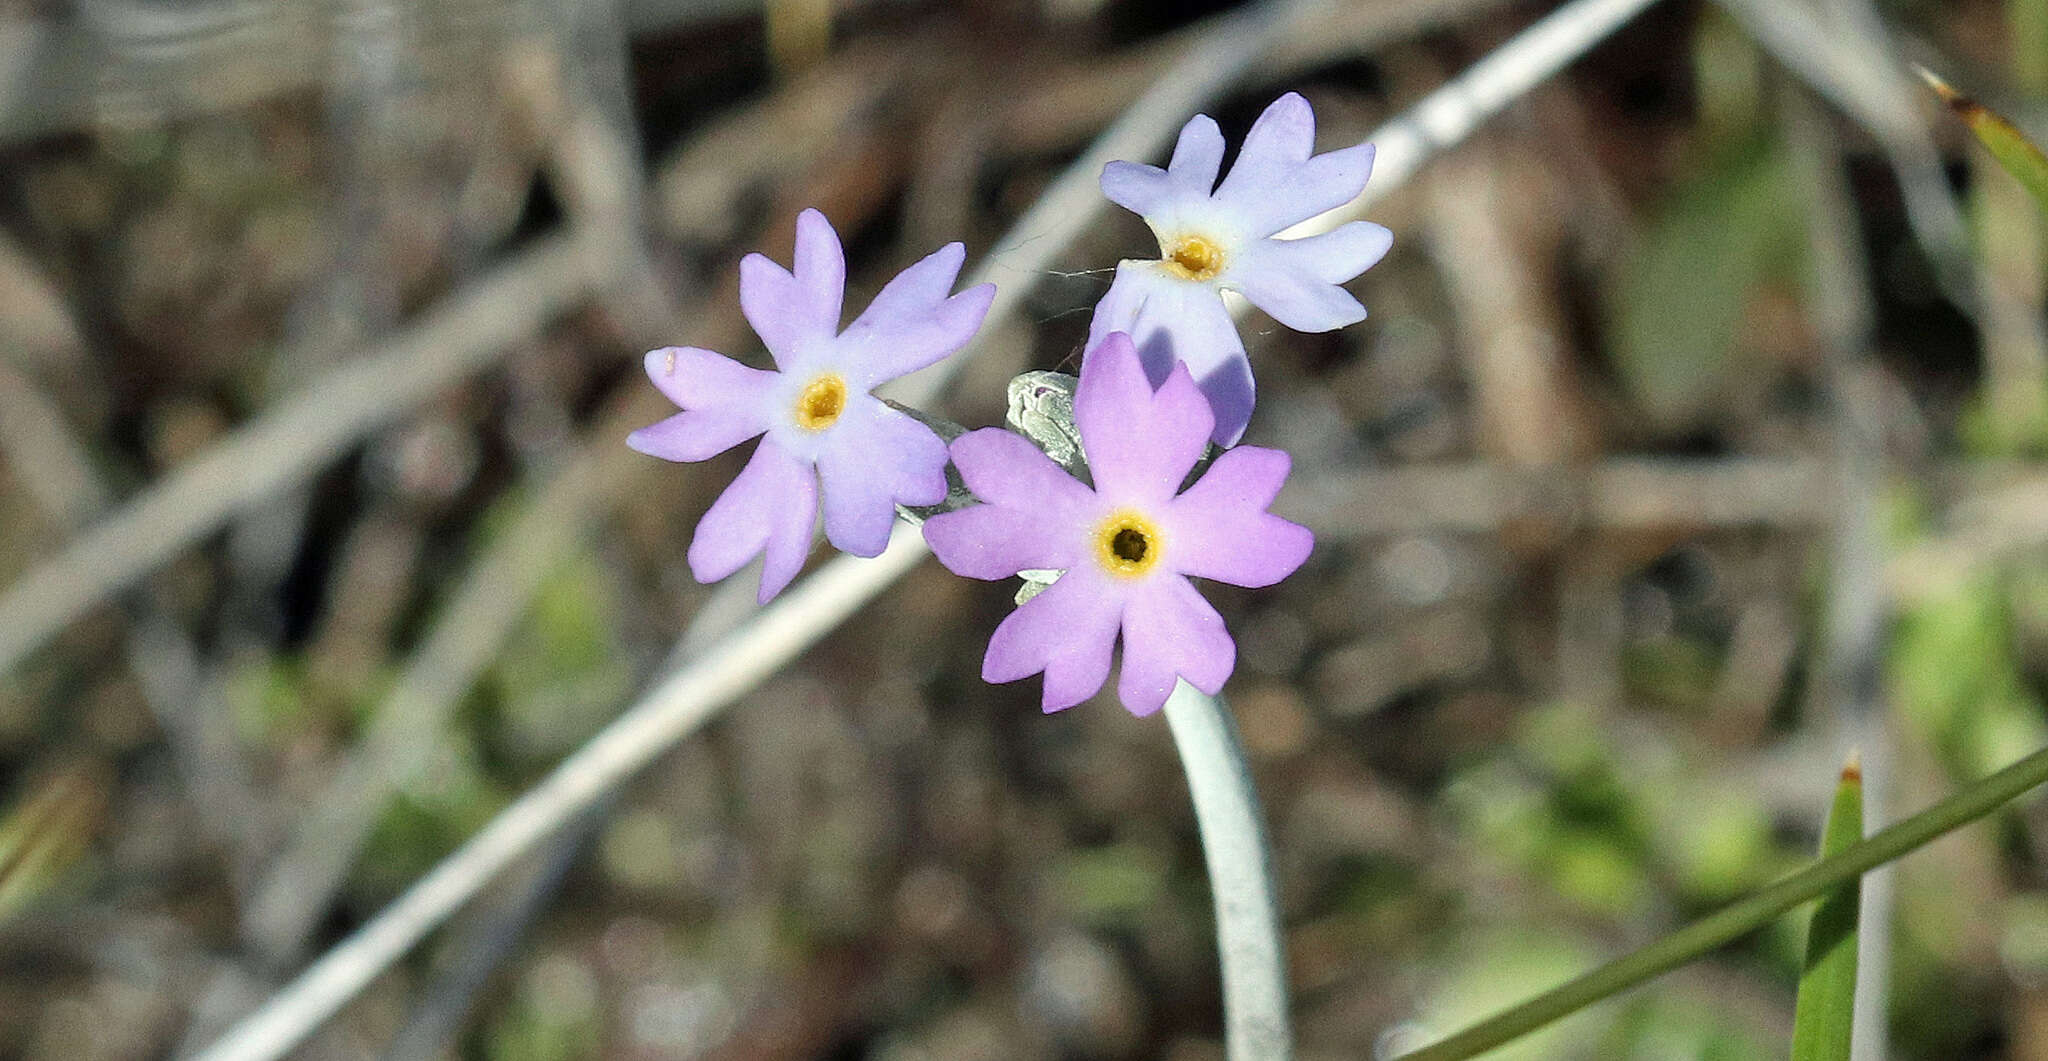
(1240, 876)
(1974, 801)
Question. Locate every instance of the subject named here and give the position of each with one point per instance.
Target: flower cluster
(1164, 375)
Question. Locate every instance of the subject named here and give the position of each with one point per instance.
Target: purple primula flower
(1128, 546)
(1214, 237)
(815, 409)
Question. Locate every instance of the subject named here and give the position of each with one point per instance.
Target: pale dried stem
(593, 160)
(296, 436)
(58, 472)
(135, 63)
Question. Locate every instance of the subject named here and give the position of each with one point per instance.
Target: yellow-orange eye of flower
(1127, 544)
(821, 402)
(1194, 258)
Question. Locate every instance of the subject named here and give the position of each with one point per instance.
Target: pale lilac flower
(1216, 237)
(815, 408)
(1128, 546)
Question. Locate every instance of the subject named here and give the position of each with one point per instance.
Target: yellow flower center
(1127, 544)
(1194, 258)
(821, 402)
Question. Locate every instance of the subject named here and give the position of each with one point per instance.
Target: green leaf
(1827, 987)
(1678, 302)
(2006, 143)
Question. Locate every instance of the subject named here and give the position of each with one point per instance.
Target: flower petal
(1295, 280)
(1160, 195)
(1139, 443)
(1228, 388)
(1143, 190)
(1325, 182)
(724, 402)
(1198, 154)
(772, 506)
(912, 323)
(1003, 468)
(1339, 255)
(1295, 298)
(1171, 632)
(1169, 319)
(1280, 140)
(820, 266)
(698, 379)
(695, 436)
(1220, 528)
(795, 313)
(1033, 516)
(874, 458)
(1117, 310)
(1066, 632)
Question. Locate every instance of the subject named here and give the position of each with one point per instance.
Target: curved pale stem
(1234, 844)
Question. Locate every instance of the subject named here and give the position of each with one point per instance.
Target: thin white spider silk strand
(738, 662)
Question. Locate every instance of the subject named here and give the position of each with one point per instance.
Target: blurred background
(1694, 438)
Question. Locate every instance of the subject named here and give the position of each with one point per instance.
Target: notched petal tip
(756, 262)
(1116, 346)
(1292, 112)
(1197, 155)
(1144, 708)
(1117, 170)
(768, 511)
(661, 364)
(641, 440)
(976, 299)
(1182, 380)
(814, 233)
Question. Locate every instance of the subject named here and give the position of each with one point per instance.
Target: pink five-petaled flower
(1210, 241)
(1128, 546)
(815, 409)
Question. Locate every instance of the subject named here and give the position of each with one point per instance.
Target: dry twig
(298, 435)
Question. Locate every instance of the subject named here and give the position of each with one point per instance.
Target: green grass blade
(1827, 988)
(1732, 922)
(2006, 143)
